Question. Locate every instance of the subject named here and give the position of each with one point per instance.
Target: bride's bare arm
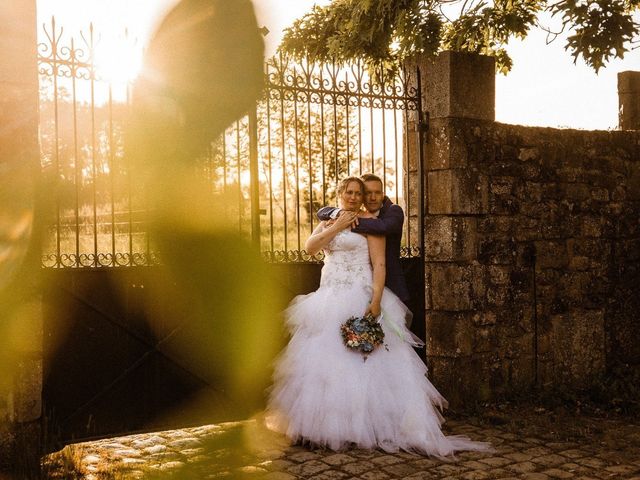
(377, 255)
(323, 234)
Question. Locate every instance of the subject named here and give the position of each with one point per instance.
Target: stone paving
(557, 448)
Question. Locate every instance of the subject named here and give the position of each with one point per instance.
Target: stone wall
(532, 251)
(20, 305)
(533, 255)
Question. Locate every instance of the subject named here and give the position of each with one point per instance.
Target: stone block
(633, 182)
(521, 278)
(414, 187)
(504, 205)
(619, 193)
(528, 153)
(450, 238)
(457, 192)
(516, 343)
(497, 251)
(411, 147)
(553, 191)
(458, 143)
(499, 295)
(499, 274)
(446, 148)
(551, 254)
(521, 373)
(520, 316)
(20, 450)
(18, 44)
(579, 263)
(600, 194)
(485, 339)
(628, 251)
(584, 288)
(26, 399)
(484, 318)
(577, 347)
(629, 100)
(457, 84)
(413, 227)
(592, 248)
(458, 379)
(530, 191)
(24, 328)
(502, 185)
(455, 287)
(502, 226)
(592, 226)
(449, 334)
(629, 226)
(19, 138)
(577, 192)
(629, 82)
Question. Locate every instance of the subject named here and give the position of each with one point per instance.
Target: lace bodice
(346, 262)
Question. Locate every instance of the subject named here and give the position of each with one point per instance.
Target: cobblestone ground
(533, 445)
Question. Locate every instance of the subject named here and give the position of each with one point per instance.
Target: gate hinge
(423, 122)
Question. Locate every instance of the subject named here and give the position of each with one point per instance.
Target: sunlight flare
(118, 61)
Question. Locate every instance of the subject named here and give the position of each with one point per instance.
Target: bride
(324, 393)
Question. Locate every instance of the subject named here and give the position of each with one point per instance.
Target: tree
(385, 32)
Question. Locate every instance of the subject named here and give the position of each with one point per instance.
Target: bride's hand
(373, 309)
(345, 220)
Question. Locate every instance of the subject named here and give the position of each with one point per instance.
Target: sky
(544, 88)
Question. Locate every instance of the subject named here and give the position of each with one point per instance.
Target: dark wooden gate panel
(414, 273)
(105, 372)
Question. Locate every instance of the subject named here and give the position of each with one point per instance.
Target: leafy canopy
(386, 32)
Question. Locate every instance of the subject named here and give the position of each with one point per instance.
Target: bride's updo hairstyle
(344, 183)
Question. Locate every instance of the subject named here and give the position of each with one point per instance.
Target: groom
(389, 223)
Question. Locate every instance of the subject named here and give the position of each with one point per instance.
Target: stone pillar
(21, 309)
(455, 87)
(629, 100)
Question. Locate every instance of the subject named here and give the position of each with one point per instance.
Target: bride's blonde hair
(342, 186)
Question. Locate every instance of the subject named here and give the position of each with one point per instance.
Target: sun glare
(118, 62)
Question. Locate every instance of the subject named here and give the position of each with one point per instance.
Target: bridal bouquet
(362, 334)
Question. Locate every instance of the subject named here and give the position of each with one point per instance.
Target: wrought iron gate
(314, 125)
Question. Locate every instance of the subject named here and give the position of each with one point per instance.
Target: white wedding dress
(325, 394)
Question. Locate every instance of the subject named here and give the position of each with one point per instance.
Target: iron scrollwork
(291, 256)
(331, 84)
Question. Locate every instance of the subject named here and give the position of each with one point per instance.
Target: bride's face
(351, 197)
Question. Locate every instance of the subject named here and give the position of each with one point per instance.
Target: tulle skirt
(327, 395)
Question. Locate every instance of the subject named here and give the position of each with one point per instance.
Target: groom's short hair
(370, 177)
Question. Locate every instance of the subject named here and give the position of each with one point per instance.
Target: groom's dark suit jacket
(389, 223)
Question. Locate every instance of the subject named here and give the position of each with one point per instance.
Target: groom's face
(373, 195)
